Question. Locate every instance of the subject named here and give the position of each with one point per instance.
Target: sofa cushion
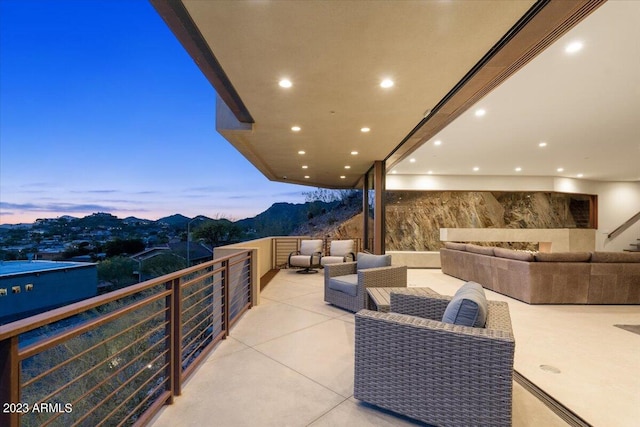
(347, 284)
(477, 249)
(513, 254)
(372, 261)
(615, 257)
(563, 257)
(468, 307)
(455, 246)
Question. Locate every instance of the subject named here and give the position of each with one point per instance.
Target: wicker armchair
(409, 362)
(391, 276)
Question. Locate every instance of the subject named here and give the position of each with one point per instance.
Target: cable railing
(116, 359)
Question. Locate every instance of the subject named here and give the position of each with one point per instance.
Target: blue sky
(102, 110)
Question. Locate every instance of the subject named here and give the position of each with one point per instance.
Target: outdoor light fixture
(573, 47)
(386, 83)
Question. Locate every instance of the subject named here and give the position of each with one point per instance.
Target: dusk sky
(102, 110)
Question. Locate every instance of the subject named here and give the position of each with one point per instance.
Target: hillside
(282, 219)
(343, 221)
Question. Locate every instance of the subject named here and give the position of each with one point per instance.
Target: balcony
(289, 359)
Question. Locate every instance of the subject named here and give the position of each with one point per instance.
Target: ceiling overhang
(442, 56)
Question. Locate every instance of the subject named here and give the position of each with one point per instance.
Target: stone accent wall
(414, 218)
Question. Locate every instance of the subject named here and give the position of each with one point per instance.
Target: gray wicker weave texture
(438, 373)
(378, 299)
(393, 276)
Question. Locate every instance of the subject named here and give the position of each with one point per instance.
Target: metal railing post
(9, 382)
(176, 338)
(225, 289)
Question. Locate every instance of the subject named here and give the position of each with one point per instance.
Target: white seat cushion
(300, 261)
(331, 260)
(341, 248)
(309, 247)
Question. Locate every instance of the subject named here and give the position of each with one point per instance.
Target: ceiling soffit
(537, 30)
(336, 54)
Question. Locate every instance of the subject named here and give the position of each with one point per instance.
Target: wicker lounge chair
(353, 295)
(410, 362)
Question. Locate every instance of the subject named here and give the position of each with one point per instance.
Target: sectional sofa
(547, 278)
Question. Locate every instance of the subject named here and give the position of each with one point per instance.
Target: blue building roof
(10, 268)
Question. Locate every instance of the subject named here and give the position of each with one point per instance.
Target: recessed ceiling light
(295, 128)
(573, 47)
(364, 130)
(301, 152)
(307, 177)
(560, 169)
(386, 83)
(285, 83)
(542, 144)
(342, 176)
(347, 167)
(437, 142)
(580, 175)
(480, 112)
(305, 167)
(412, 160)
(476, 169)
(354, 153)
(518, 169)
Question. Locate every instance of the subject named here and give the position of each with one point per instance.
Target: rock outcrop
(414, 218)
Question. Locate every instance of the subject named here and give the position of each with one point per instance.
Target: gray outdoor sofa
(410, 362)
(547, 278)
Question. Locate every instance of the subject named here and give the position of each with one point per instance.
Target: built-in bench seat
(547, 278)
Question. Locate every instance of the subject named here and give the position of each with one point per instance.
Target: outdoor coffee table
(379, 299)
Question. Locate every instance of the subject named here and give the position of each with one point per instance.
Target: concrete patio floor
(289, 362)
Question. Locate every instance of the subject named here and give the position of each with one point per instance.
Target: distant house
(198, 252)
(150, 253)
(31, 287)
